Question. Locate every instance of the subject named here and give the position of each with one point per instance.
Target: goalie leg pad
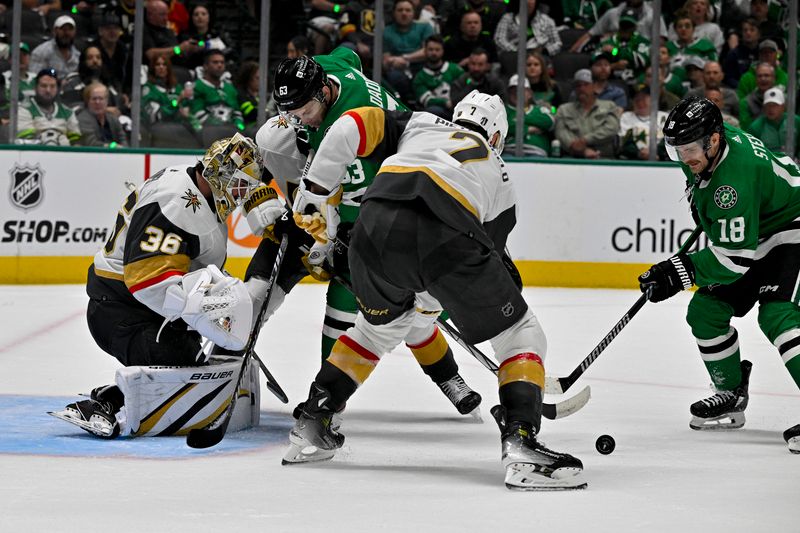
(173, 400)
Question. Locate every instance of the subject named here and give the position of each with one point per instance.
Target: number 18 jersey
(750, 204)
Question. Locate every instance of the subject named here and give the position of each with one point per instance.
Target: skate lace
(719, 398)
(455, 389)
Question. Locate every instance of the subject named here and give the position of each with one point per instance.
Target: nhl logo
(725, 197)
(26, 190)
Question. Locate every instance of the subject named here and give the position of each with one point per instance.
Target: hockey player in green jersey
(312, 94)
(747, 201)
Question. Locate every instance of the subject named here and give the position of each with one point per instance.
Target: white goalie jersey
(163, 230)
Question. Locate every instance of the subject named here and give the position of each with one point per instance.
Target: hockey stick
(556, 385)
(551, 411)
(213, 434)
(272, 383)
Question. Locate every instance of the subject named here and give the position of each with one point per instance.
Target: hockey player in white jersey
(157, 287)
(433, 224)
(267, 216)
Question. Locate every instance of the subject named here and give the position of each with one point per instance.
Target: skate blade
(719, 423)
(299, 454)
(524, 477)
(99, 430)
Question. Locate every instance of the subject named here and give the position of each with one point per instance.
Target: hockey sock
(780, 322)
(521, 380)
(435, 357)
(338, 384)
(351, 359)
(522, 402)
(710, 319)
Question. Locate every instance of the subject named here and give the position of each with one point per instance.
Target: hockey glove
(317, 214)
(668, 278)
(263, 208)
(318, 261)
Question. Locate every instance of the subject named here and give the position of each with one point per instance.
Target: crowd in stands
(586, 83)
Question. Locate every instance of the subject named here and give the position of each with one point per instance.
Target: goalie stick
(555, 385)
(215, 432)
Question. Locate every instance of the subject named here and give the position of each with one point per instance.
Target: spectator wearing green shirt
(629, 49)
(752, 106)
(432, 84)
(539, 123)
(770, 127)
(583, 14)
(687, 43)
(216, 101)
(403, 45)
(163, 100)
(767, 53)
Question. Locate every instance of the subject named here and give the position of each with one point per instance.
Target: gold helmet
(232, 167)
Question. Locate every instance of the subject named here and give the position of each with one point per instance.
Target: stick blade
(202, 438)
(567, 407)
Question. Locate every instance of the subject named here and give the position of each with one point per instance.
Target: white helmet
(486, 111)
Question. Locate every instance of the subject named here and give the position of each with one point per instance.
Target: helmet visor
(309, 114)
(683, 153)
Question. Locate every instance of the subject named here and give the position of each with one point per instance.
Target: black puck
(605, 444)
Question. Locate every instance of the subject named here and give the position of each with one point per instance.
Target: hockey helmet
(297, 81)
(232, 167)
(689, 126)
(485, 111)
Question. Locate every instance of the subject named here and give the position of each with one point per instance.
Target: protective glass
(692, 151)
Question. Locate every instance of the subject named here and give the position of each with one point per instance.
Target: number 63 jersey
(749, 205)
(451, 168)
(163, 230)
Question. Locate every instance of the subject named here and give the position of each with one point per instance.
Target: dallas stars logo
(725, 197)
(191, 200)
(280, 123)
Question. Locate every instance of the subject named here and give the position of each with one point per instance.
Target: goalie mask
(487, 112)
(232, 167)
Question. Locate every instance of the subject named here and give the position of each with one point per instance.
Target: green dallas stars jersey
(750, 204)
(343, 67)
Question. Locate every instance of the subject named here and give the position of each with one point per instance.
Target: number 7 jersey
(750, 205)
(163, 230)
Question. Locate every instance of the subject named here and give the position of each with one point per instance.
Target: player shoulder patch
(725, 197)
(191, 200)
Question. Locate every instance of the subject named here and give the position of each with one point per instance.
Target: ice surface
(410, 462)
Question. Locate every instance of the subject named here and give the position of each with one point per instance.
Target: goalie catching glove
(264, 210)
(215, 305)
(668, 278)
(317, 213)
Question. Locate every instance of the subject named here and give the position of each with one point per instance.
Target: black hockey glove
(668, 278)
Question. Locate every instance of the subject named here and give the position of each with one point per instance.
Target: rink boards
(579, 224)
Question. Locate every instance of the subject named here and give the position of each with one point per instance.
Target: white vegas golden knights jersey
(277, 142)
(423, 156)
(164, 229)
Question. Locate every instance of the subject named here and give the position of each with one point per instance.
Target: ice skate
(312, 438)
(792, 438)
(725, 409)
(91, 415)
(532, 467)
(465, 400)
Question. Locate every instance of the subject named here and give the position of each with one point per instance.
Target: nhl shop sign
(26, 191)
